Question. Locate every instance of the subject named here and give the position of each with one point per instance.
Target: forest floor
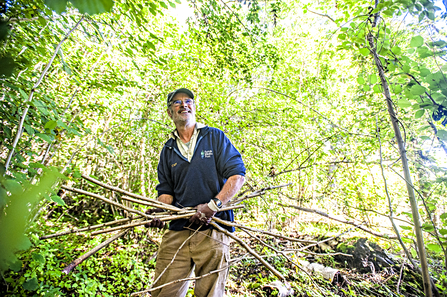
(371, 271)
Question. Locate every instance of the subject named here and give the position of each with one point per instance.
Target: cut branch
(89, 228)
(152, 202)
(341, 221)
(79, 191)
(250, 250)
(257, 193)
(79, 260)
(232, 224)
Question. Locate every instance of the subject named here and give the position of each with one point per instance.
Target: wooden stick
(258, 193)
(140, 223)
(250, 250)
(79, 260)
(79, 230)
(232, 224)
(153, 202)
(341, 220)
(184, 215)
(79, 191)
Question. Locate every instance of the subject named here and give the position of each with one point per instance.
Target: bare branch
(257, 193)
(89, 228)
(341, 221)
(152, 202)
(250, 250)
(79, 260)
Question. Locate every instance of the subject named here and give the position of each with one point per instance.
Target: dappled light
(327, 166)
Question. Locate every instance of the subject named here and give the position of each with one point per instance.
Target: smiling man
(200, 168)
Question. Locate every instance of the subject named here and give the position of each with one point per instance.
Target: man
(198, 167)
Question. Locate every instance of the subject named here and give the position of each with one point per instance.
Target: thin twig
(79, 260)
(31, 94)
(89, 228)
(175, 255)
(79, 191)
(250, 250)
(258, 193)
(191, 278)
(153, 202)
(390, 207)
(232, 224)
(340, 220)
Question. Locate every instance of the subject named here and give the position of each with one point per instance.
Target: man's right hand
(155, 222)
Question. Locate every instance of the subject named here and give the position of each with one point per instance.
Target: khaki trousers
(206, 251)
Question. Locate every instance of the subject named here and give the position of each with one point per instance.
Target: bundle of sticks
(138, 218)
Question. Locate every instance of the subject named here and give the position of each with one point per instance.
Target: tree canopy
(331, 99)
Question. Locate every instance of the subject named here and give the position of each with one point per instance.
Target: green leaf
(38, 257)
(396, 50)
(443, 231)
(16, 265)
(406, 68)
(403, 103)
(417, 90)
(406, 227)
(397, 89)
(36, 165)
(360, 80)
(93, 6)
(162, 4)
(24, 95)
(434, 247)
(424, 72)
(8, 65)
(51, 125)
(416, 41)
(364, 51)
(58, 200)
(12, 186)
(419, 113)
(407, 240)
(377, 89)
(44, 137)
(428, 227)
(373, 78)
(29, 129)
(442, 134)
(31, 284)
(56, 5)
(444, 215)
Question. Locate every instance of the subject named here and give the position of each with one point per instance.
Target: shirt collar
(197, 127)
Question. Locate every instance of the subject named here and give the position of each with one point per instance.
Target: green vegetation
(299, 87)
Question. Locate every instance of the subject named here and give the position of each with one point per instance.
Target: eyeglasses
(188, 101)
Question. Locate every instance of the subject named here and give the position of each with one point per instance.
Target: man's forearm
(230, 188)
(165, 198)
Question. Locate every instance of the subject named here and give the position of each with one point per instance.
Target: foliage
(291, 83)
(16, 205)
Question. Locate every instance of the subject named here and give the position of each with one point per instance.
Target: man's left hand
(203, 215)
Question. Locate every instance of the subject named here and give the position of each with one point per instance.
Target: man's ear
(169, 113)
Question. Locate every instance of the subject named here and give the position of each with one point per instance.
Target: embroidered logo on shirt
(173, 165)
(206, 154)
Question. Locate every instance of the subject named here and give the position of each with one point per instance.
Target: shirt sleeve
(164, 175)
(228, 160)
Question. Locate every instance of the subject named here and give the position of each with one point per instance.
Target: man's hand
(203, 215)
(155, 222)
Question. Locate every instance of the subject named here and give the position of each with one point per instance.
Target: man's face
(182, 113)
